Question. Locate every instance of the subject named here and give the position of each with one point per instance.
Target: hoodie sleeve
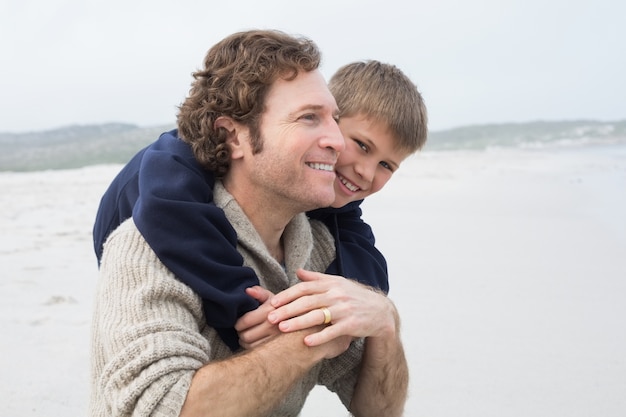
(357, 256)
(172, 206)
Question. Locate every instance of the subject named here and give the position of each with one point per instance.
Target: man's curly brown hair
(238, 73)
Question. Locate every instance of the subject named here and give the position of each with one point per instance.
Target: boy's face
(367, 162)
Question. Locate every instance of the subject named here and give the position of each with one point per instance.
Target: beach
(508, 268)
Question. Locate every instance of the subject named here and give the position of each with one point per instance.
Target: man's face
(301, 141)
(368, 160)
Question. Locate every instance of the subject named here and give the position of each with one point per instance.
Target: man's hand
(255, 329)
(355, 310)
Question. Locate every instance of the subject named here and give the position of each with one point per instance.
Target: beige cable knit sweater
(149, 334)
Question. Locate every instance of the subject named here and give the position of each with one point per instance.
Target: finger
(305, 275)
(313, 318)
(295, 308)
(257, 333)
(253, 318)
(293, 293)
(253, 344)
(311, 283)
(259, 315)
(326, 335)
(245, 322)
(259, 293)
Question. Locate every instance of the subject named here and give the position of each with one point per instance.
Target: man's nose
(333, 138)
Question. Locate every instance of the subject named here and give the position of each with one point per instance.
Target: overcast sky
(490, 61)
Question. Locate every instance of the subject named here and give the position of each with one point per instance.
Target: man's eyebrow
(305, 107)
(313, 107)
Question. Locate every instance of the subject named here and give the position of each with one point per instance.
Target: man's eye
(309, 116)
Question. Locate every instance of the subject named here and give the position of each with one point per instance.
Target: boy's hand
(253, 327)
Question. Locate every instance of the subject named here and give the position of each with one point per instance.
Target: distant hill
(74, 146)
(115, 143)
(530, 134)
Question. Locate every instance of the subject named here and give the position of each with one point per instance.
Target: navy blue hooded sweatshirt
(170, 197)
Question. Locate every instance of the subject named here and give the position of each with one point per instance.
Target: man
(261, 116)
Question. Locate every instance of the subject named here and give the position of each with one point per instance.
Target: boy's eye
(361, 145)
(386, 165)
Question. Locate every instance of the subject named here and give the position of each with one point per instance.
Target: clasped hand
(355, 311)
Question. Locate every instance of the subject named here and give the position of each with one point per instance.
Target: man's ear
(233, 131)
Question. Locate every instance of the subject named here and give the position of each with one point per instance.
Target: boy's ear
(233, 131)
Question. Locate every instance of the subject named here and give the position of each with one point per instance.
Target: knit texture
(149, 333)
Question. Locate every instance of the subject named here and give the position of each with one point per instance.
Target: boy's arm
(117, 202)
(190, 235)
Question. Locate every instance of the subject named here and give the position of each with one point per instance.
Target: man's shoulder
(127, 226)
(125, 234)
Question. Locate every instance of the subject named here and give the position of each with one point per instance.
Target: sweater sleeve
(341, 373)
(146, 337)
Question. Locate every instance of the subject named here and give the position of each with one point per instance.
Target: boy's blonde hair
(383, 93)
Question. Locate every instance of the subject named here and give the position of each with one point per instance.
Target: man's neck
(268, 216)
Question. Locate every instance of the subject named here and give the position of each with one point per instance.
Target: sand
(508, 268)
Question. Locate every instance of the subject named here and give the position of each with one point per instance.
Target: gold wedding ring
(327, 316)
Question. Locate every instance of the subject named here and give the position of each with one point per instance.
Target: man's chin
(323, 201)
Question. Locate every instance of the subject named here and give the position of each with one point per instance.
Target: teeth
(322, 167)
(348, 184)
